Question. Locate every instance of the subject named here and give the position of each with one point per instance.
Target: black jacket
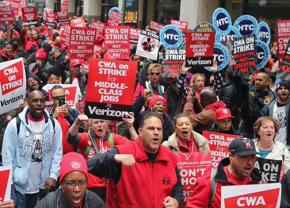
(57, 199)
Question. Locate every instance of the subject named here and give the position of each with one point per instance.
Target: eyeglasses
(74, 184)
(157, 74)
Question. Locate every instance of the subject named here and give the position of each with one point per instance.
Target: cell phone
(61, 101)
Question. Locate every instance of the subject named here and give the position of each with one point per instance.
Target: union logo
(166, 180)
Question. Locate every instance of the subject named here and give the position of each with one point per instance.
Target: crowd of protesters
(49, 148)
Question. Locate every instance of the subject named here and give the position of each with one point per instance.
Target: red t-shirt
(187, 146)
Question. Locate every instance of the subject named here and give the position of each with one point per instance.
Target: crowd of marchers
(62, 158)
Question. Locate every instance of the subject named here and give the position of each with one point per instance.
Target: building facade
(140, 12)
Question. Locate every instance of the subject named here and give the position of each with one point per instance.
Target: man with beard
(32, 146)
(237, 169)
(97, 140)
(141, 173)
(253, 98)
(279, 110)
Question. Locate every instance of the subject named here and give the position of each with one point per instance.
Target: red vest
(147, 183)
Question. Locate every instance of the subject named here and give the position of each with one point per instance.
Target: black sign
(270, 169)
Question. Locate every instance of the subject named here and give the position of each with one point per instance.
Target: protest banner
(13, 84)
(155, 26)
(81, 42)
(270, 169)
(244, 53)
(15, 6)
(72, 93)
(5, 183)
(246, 25)
(251, 196)
(174, 56)
(148, 44)
(286, 59)
(78, 22)
(117, 41)
(29, 16)
(219, 145)
(283, 34)
(181, 24)
(262, 54)
(221, 21)
(225, 39)
(6, 14)
(199, 48)
(204, 27)
(170, 36)
(115, 16)
(263, 32)
(110, 90)
(134, 36)
(193, 166)
(62, 15)
(49, 17)
(221, 56)
(99, 26)
(64, 33)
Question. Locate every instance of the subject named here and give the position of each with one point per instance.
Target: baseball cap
(242, 147)
(72, 161)
(223, 113)
(283, 83)
(74, 62)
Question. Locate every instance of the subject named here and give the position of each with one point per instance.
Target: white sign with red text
(13, 84)
(251, 196)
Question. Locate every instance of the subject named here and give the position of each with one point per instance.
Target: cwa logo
(11, 77)
(255, 200)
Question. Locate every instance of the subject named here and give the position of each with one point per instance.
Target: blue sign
(221, 56)
(221, 20)
(170, 36)
(246, 25)
(263, 32)
(115, 9)
(262, 54)
(224, 38)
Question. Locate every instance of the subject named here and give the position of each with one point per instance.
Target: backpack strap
(213, 185)
(18, 122)
(111, 140)
(53, 123)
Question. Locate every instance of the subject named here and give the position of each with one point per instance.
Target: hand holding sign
(129, 119)
(82, 119)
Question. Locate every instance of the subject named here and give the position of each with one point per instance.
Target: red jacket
(201, 194)
(147, 183)
(86, 145)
